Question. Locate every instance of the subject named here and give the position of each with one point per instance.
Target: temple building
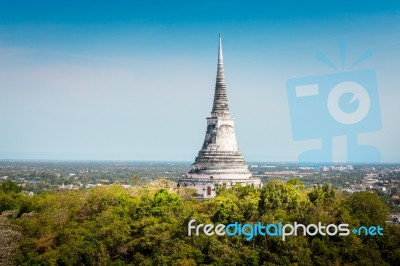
(219, 162)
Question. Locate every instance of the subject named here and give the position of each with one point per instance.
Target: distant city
(45, 176)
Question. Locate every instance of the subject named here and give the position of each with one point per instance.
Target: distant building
(369, 181)
(219, 162)
(357, 188)
(324, 169)
(396, 197)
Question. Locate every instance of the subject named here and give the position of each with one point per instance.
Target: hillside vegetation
(148, 225)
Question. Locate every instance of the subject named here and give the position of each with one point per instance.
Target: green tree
(322, 195)
(296, 183)
(277, 195)
(147, 225)
(10, 186)
(368, 208)
(227, 211)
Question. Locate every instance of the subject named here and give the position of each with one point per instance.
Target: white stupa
(219, 161)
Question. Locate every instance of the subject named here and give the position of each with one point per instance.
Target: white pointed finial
(220, 57)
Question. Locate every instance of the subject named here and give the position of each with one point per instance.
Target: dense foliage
(112, 225)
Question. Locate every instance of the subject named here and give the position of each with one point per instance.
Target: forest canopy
(148, 225)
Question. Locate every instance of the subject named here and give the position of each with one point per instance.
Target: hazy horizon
(190, 162)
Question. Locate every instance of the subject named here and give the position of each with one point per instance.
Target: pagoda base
(206, 185)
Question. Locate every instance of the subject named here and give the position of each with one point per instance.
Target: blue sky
(134, 81)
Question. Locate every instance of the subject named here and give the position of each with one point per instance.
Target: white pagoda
(219, 162)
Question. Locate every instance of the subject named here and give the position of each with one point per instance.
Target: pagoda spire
(220, 105)
(219, 162)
